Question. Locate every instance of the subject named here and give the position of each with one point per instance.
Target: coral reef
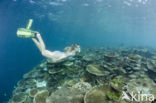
(19, 98)
(74, 94)
(95, 69)
(144, 86)
(96, 75)
(41, 96)
(104, 93)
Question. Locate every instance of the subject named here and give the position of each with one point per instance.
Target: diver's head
(74, 47)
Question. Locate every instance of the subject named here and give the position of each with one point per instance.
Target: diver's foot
(35, 35)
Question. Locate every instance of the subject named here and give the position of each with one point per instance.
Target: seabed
(96, 75)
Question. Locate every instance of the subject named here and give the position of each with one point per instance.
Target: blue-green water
(64, 22)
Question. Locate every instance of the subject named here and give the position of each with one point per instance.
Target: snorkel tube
(26, 32)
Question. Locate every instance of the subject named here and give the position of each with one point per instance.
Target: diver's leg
(44, 52)
(42, 45)
(37, 44)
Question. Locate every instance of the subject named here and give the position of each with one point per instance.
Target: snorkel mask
(26, 32)
(76, 47)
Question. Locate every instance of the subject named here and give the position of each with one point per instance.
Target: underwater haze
(90, 23)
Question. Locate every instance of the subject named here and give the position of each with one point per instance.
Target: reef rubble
(96, 75)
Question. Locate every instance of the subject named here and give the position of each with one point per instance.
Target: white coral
(41, 84)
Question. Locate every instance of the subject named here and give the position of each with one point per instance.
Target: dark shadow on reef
(96, 75)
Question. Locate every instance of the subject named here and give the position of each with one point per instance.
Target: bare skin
(55, 56)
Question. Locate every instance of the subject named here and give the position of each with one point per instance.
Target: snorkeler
(52, 56)
(55, 56)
